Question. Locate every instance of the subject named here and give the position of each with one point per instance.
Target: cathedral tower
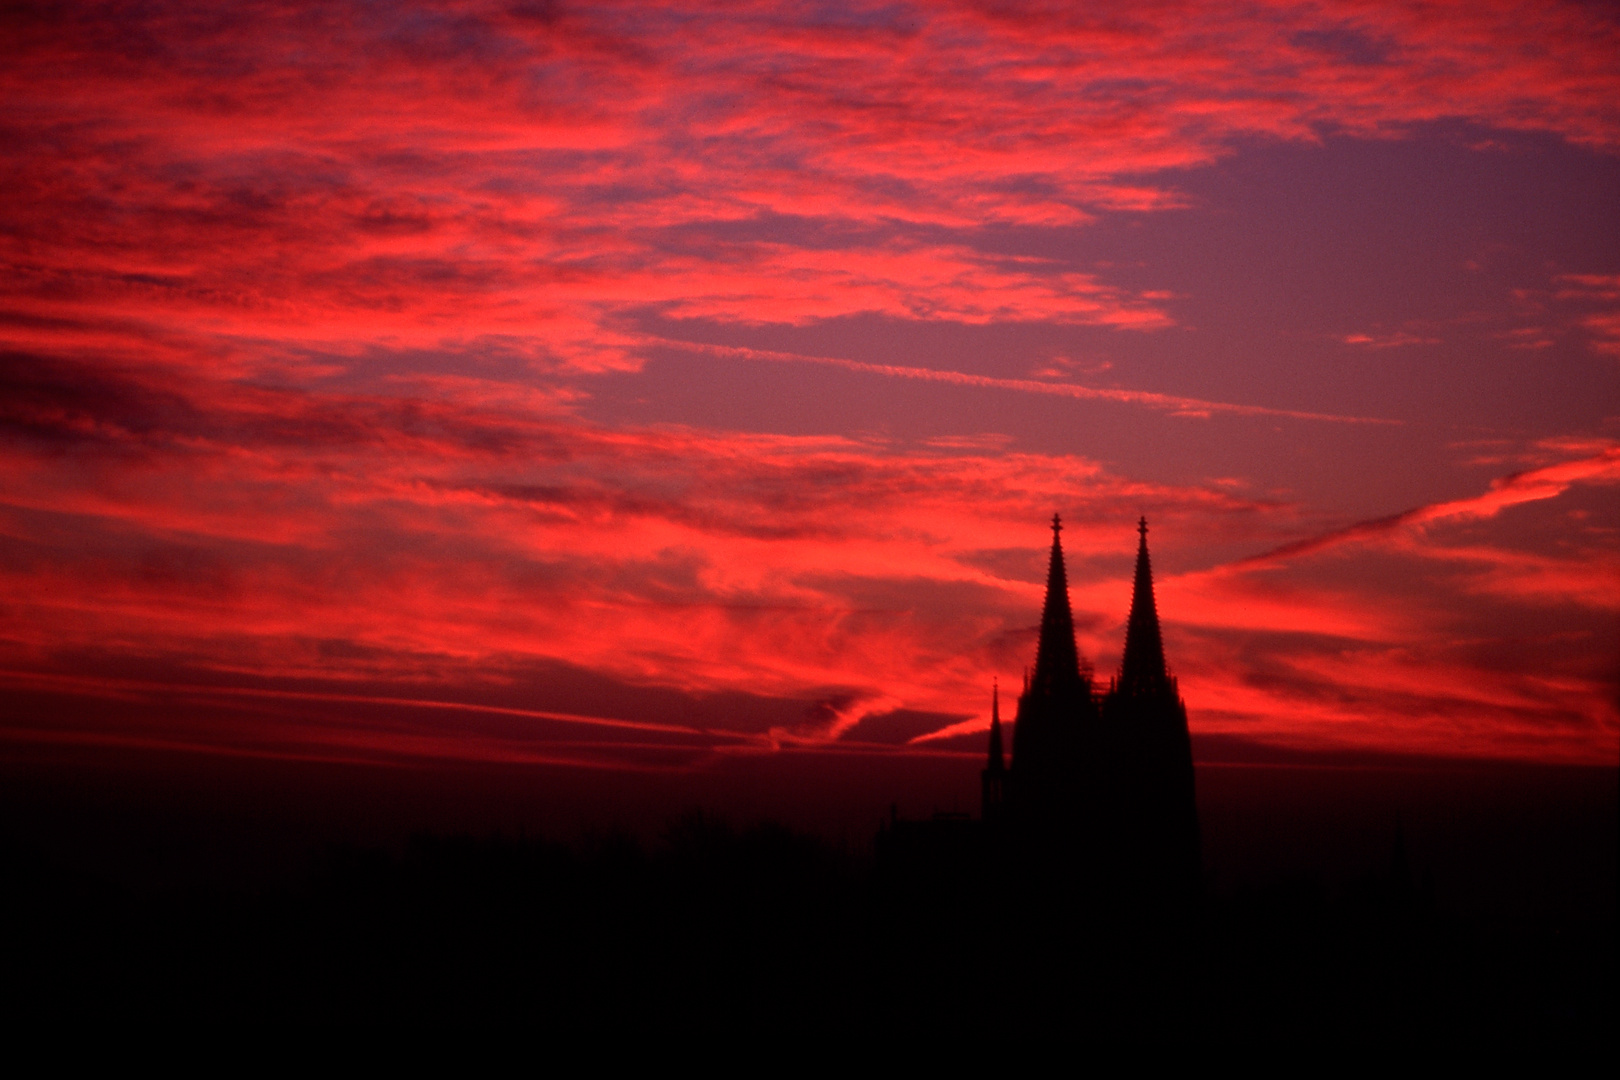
(1056, 712)
(1145, 725)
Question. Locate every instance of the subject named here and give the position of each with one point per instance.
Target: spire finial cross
(1141, 528)
(1057, 524)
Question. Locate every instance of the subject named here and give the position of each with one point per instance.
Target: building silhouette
(1101, 781)
(1098, 799)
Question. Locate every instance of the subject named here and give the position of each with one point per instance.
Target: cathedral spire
(1143, 669)
(1057, 663)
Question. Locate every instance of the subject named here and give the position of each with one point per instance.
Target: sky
(638, 386)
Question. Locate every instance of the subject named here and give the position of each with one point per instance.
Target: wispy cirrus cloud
(1547, 482)
(438, 172)
(1600, 292)
(1167, 402)
(438, 548)
(299, 305)
(1389, 341)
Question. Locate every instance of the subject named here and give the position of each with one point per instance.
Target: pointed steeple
(993, 778)
(1057, 663)
(1143, 669)
(998, 760)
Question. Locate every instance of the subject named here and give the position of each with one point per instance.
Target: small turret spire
(998, 759)
(993, 778)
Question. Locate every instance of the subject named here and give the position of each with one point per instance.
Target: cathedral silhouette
(1099, 797)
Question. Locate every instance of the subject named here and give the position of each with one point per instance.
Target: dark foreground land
(694, 926)
(772, 931)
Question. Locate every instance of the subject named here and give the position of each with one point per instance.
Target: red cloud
(268, 537)
(280, 282)
(451, 171)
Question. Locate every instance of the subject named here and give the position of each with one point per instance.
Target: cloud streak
(436, 173)
(270, 538)
(1530, 486)
(1180, 406)
(302, 309)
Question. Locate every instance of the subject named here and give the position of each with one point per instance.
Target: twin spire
(1100, 786)
(1143, 669)
(1057, 660)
